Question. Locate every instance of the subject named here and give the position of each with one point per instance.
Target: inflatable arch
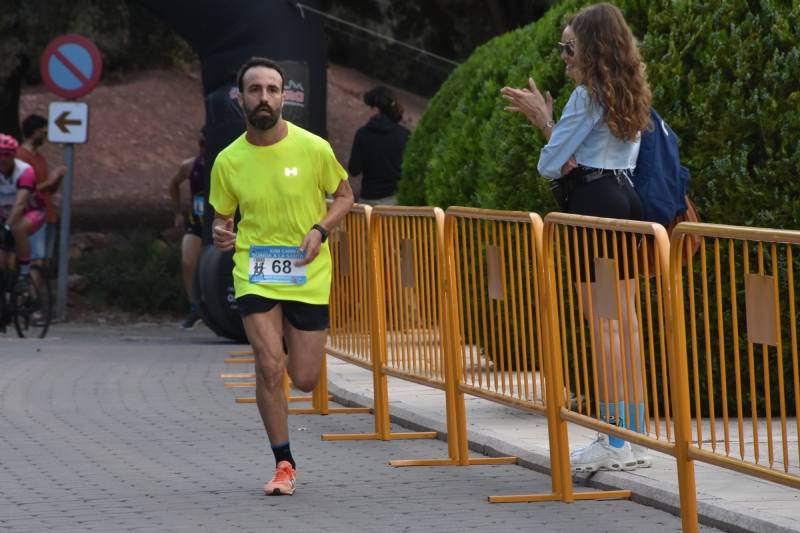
(224, 34)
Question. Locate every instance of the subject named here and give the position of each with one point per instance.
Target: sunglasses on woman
(567, 48)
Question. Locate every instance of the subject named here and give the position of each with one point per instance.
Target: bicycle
(28, 305)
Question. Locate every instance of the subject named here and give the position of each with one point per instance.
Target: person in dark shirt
(378, 150)
(194, 171)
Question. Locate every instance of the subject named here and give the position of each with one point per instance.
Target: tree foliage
(126, 34)
(448, 28)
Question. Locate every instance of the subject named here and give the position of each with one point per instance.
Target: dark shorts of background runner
(194, 228)
(303, 316)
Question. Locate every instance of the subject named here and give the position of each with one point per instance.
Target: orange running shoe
(283, 482)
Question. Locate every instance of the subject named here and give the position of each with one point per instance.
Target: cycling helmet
(8, 145)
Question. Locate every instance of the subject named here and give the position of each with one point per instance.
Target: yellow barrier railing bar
(759, 270)
(357, 291)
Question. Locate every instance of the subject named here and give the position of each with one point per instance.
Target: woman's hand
(529, 101)
(569, 166)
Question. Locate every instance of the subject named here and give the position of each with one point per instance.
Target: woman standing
(588, 158)
(378, 147)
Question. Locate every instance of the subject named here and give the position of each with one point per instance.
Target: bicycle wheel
(33, 307)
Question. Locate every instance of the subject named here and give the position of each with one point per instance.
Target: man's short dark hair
(32, 123)
(257, 62)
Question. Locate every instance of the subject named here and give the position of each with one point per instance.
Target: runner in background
(193, 170)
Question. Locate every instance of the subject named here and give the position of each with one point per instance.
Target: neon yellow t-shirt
(280, 192)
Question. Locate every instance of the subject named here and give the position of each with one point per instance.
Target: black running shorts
(303, 316)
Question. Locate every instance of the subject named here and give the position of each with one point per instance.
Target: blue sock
(636, 416)
(283, 453)
(616, 442)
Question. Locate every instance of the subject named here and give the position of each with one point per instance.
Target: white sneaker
(643, 458)
(600, 455)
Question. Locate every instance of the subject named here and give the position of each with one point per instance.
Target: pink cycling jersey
(22, 177)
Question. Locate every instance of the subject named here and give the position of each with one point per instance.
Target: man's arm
(53, 180)
(184, 171)
(342, 202)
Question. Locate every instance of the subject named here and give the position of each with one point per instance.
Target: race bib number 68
(275, 265)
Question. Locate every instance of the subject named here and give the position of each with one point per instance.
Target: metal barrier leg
(382, 421)
(457, 443)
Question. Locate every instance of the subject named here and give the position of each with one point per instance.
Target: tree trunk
(9, 99)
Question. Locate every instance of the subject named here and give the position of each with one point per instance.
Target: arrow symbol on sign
(63, 122)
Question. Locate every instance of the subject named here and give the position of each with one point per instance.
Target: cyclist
(21, 206)
(278, 174)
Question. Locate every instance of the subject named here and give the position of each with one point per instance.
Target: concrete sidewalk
(113, 429)
(726, 499)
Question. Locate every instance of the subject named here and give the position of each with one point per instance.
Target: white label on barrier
(275, 265)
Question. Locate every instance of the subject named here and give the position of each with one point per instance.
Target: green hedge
(725, 74)
(140, 273)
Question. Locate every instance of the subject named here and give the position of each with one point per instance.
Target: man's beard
(262, 122)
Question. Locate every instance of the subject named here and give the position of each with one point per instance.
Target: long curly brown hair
(611, 69)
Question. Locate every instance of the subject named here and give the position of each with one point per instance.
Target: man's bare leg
(190, 251)
(265, 333)
(306, 350)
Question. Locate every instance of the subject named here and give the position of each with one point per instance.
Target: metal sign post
(71, 66)
(62, 286)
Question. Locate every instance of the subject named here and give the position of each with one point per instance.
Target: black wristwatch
(322, 231)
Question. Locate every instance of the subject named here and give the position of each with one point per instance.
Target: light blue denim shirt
(582, 132)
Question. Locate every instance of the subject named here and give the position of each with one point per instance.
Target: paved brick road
(132, 430)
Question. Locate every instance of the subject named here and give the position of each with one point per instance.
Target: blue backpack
(659, 178)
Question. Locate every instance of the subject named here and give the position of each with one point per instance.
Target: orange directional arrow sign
(63, 122)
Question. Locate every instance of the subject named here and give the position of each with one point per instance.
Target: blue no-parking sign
(71, 66)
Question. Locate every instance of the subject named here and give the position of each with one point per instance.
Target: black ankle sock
(283, 453)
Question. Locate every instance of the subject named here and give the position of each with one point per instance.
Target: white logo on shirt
(290, 171)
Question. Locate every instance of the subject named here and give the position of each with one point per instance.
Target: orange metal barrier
(611, 307)
(497, 353)
(349, 336)
(736, 328)
(410, 330)
(355, 333)
(607, 301)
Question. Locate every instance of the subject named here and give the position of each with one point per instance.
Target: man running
(278, 174)
(21, 206)
(34, 134)
(194, 170)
